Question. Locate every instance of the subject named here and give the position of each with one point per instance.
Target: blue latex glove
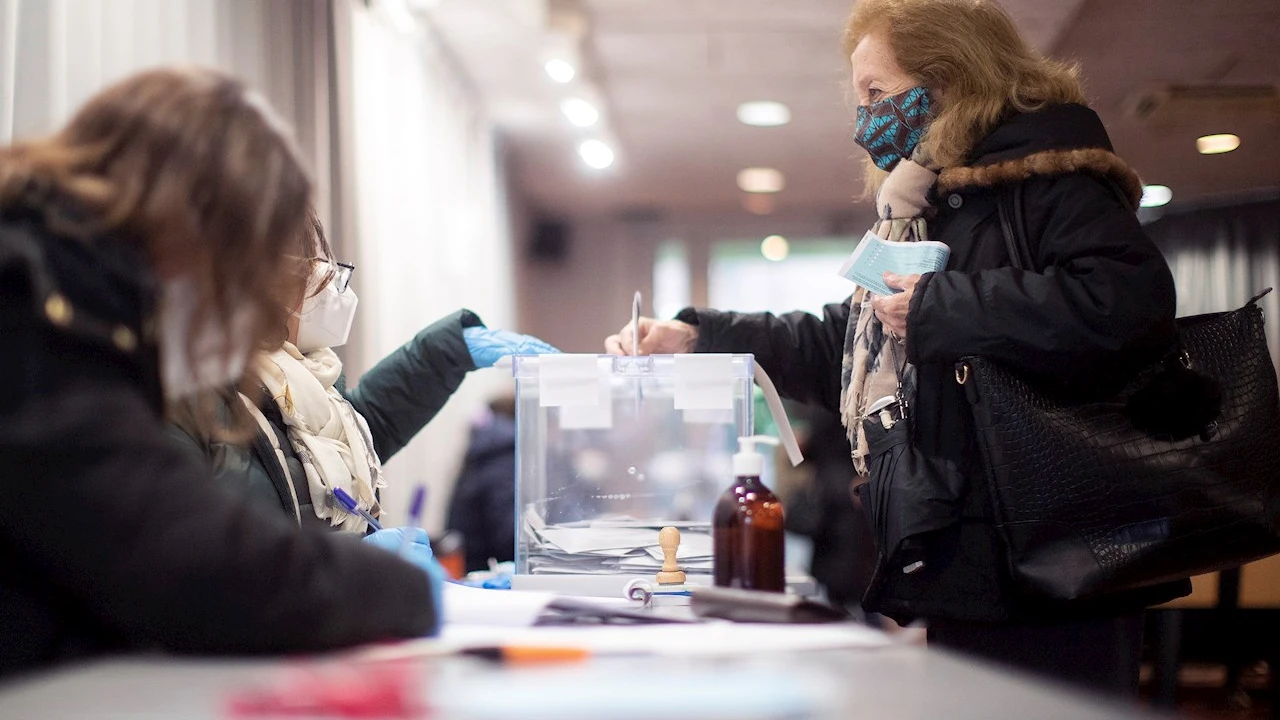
(489, 346)
(417, 552)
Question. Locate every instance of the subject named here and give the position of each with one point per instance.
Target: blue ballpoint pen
(350, 504)
(415, 517)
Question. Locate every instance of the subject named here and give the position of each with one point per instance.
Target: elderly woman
(954, 110)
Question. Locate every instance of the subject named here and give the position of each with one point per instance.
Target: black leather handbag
(1089, 504)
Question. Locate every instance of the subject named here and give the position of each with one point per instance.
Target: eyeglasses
(342, 276)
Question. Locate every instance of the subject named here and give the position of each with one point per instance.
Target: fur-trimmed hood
(1058, 140)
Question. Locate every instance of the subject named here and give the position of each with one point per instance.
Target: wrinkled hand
(657, 337)
(488, 346)
(892, 309)
(417, 552)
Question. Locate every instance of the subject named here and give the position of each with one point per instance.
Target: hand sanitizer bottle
(747, 528)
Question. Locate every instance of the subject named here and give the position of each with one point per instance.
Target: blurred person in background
(819, 504)
(954, 108)
(311, 433)
(483, 505)
(144, 253)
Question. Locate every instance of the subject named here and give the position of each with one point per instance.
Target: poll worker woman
(143, 250)
(311, 433)
(954, 108)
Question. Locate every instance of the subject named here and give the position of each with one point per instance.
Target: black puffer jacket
(112, 539)
(1103, 305)
(397, 398)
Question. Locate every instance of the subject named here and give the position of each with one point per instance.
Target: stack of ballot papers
(611, 546)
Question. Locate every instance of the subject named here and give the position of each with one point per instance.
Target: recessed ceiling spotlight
(562, 71)
(775, 248)
(580, 112)
(764, 113)
(761, 180)
(1216, 144)
(596, 154)
(1155, 196)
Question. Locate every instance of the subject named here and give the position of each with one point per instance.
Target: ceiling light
(580, 112)
(1215, 144)
(596, 154)
(560, 70)
(1155, 195)
(775, 248)
(761, 180)
(764, 113)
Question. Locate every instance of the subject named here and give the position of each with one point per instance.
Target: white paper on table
(708, 639)
(704, 382)
(509, 608)
(569, 380)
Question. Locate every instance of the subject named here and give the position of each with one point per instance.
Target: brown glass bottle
(747, 534)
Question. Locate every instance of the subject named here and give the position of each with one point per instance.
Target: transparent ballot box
(610, 450)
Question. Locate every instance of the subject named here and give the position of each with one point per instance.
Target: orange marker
(528, 654)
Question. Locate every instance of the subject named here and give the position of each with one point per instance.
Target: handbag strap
(1013, 225)
(1013, 228)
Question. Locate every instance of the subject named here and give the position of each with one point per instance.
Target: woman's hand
(487, 346)
(657, 337)
(414, 547)
(892, 309)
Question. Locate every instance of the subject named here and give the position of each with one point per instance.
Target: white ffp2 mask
(209, 360)
(326, 317)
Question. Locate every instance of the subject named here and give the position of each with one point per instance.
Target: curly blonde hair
(975, 64)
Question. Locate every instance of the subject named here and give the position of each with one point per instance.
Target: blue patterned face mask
(889, 129)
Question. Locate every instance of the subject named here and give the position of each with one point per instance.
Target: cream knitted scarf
(330, 438)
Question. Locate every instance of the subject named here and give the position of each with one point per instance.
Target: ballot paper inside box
(611, 449)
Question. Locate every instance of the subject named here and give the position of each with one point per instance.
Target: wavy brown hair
(975, 64)
(192, 168)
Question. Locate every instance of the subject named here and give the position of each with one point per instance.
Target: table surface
(896, 682)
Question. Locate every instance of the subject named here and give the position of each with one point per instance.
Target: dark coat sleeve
(1103, 302)
(132, 532)
(401, 394)
(801, 352)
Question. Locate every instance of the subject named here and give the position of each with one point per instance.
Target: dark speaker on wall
(549, 241)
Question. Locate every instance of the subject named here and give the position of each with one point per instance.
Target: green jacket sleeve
(401, 394)
(233, 465)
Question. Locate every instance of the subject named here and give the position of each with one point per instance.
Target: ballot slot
(612, 449)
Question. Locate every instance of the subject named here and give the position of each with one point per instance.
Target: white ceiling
(670, 74)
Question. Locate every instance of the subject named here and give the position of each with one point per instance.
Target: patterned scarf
(874, 363)
(330, 438)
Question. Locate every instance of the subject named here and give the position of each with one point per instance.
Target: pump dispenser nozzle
(747, 462)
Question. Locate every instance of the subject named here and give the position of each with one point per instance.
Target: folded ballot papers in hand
(875, 256)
